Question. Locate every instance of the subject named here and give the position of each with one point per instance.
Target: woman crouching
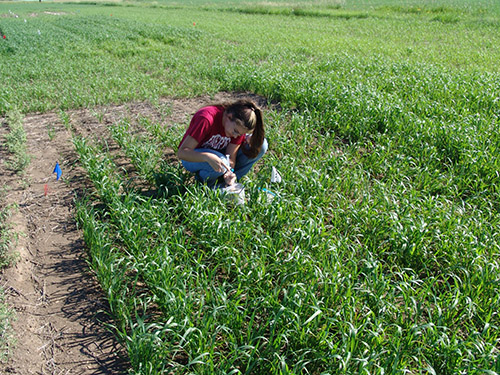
(221, 132)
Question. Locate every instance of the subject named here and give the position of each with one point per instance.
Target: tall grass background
(380, 253)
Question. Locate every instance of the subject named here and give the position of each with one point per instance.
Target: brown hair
(247, 113)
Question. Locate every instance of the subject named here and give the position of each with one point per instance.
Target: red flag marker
(3, 36)
(45, 189)
(194, 24)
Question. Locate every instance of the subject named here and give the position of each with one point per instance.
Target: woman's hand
(229, 178)
(216, 163)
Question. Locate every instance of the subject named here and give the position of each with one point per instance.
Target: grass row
(15, 143)
(17, 159)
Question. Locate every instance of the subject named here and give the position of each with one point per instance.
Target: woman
(219, 132)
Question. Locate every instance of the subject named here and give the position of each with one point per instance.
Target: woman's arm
(187, 152)
(232, 150)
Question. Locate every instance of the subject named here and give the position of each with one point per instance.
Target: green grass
(94, 55)
(15, 142)
(6, 236)
(381, 252)
(6, 336)
(6, 259)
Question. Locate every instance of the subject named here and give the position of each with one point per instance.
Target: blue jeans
(205, 173)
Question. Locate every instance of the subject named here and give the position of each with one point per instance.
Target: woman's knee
(263, 150)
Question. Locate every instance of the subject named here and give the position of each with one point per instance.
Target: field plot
(380, 253)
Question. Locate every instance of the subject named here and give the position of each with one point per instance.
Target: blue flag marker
(58, 171)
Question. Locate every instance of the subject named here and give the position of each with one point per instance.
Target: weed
(65, 119)
(51, 133)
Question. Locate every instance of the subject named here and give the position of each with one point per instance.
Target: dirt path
(58, 305)
(59, 308)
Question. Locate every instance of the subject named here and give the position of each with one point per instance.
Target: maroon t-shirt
(206, 127)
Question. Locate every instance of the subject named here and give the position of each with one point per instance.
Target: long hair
(247, 113)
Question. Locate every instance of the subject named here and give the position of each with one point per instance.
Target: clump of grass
(15, 141)
(6, 338)
(6, 259)
(143, 152)
(6, 238)
(65, 119)
(101, 169)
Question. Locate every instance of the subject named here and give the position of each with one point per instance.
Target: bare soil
(60, 311)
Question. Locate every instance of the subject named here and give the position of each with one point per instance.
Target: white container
(235, 193)
(275, 175)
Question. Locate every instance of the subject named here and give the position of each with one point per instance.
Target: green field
(381, 253)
